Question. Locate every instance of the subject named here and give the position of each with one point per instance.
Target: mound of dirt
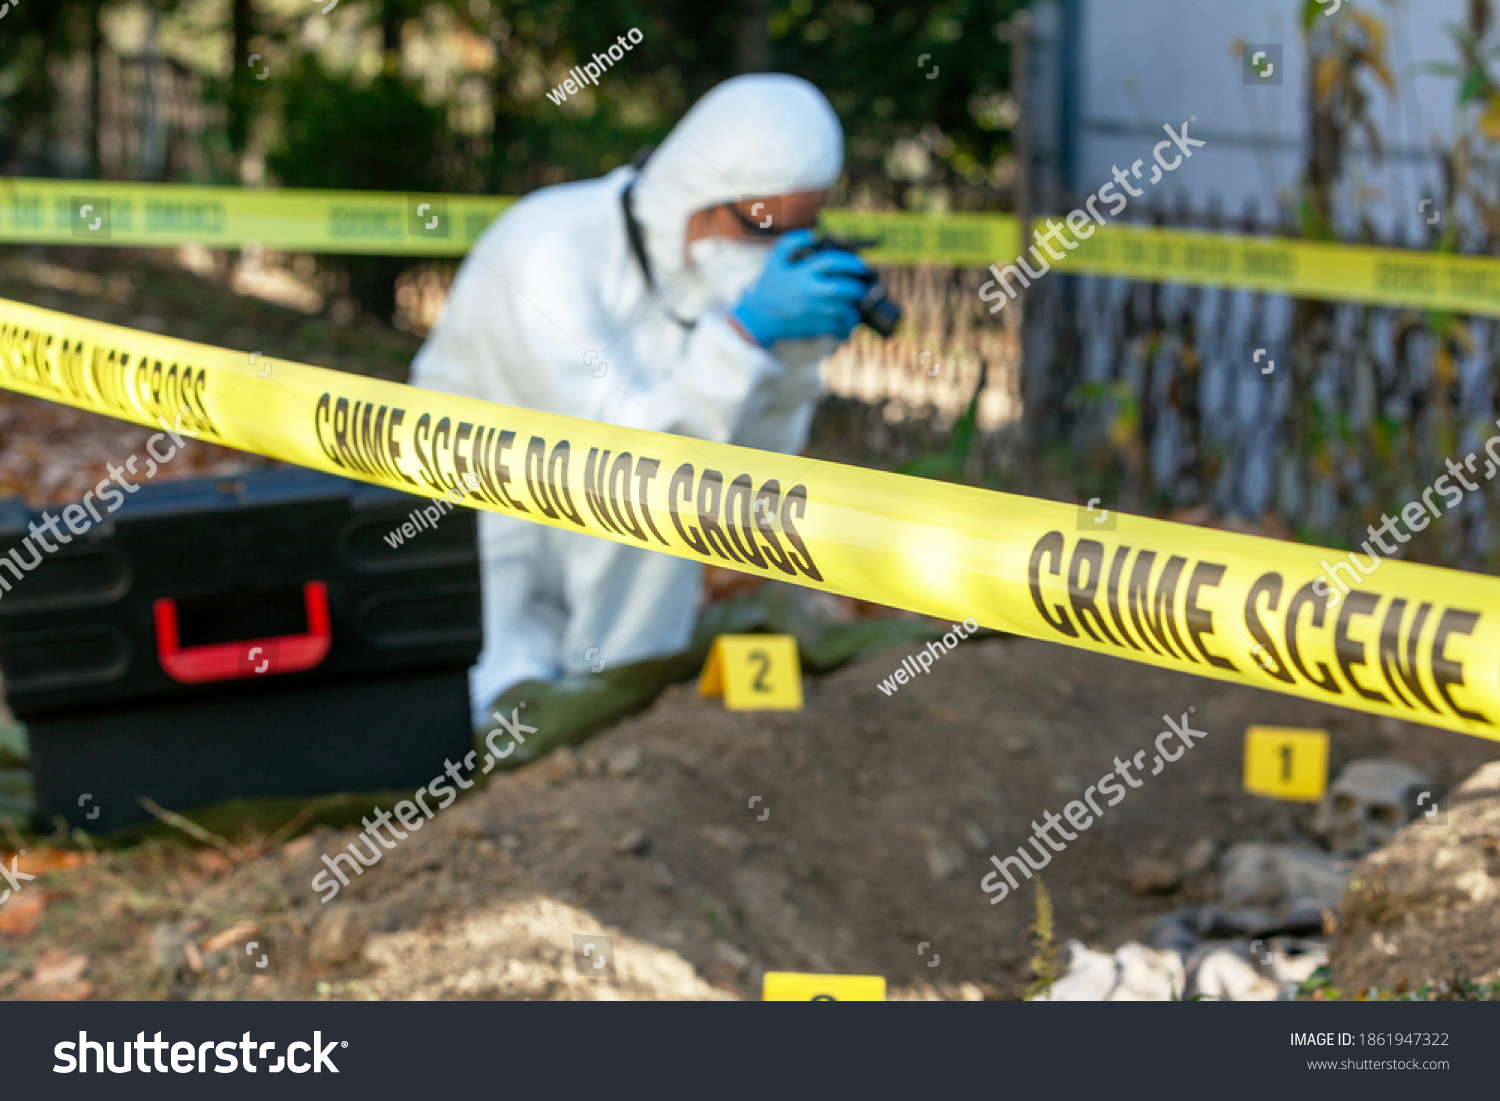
(1426, 908)
(711, 846)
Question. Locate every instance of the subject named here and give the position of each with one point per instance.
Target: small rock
(510, 842)
(470, 822)
(1255, 873)
(559, 765)
(633, 843)
(339, 936)
(1199, 857)
(167, 949)
(942, 714)
(975, 837)
(943, 856)
(1149, 876)
(731, 957)
(662, 878)
(726, 839)
(626, 761)
(1016, 746)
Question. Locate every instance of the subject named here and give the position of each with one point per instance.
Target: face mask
(727, 269)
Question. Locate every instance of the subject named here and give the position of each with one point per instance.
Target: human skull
(1366, 805)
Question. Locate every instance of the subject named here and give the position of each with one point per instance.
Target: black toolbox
(270, 634)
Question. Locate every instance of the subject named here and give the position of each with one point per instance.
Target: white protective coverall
(552, 311)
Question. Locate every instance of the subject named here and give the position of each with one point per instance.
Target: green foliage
(336, 133)
(950, 464)
(1319, 987)
(864, 55)
(377, 136)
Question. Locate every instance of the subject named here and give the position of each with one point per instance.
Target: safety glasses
(765, 228)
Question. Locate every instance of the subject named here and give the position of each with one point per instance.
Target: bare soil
(1425, 910)
(883, 812)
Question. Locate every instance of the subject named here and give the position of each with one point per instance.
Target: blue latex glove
(817, 296)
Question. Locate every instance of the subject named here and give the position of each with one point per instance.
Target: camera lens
(879, 312)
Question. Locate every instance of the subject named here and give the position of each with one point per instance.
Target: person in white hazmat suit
(660, 299)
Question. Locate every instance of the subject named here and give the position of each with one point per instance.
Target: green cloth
(572, 710)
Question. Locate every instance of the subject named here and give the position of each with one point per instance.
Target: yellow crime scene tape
(85, 212)
(92, 212)
(1415, 642)
(1279, 265)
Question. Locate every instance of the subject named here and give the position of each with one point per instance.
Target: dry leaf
(213, 861)
(1325, 76)
(39, 861)
(295, 848)
(20, 915)
(1489, 122)
(225, 938)
(58, 967)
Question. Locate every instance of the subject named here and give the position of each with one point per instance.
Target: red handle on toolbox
(252, 657)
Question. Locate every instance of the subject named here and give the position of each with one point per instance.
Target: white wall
(1180, 56)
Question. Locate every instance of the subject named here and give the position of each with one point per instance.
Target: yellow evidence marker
(793, 986)
(754, 673)
(1286, 762)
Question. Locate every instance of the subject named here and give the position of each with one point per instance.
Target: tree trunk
(753, 45)
(392, 15)
(241, 79)
(96, 49)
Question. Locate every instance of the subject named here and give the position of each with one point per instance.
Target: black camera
(875, 308)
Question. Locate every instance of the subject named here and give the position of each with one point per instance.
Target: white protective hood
(719, 153)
